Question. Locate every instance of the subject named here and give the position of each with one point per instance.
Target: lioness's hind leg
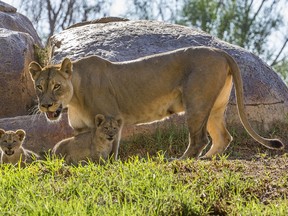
(198, 139)
(198, 102)
(220, 136)
(216, 126)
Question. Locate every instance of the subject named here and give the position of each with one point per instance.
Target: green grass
(149, 185)
(146, 187)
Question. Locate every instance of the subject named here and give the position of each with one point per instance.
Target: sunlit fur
(194, 80)
(12, 150)
(94, 145)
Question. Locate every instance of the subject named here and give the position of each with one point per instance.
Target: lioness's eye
(56, 86)
(39, 87)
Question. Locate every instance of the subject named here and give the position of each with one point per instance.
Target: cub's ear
(21, 134)
(34, 69)
(119, 122)
(66, 68)
(99, 119)
(2, 132)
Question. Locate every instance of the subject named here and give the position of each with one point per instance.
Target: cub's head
(53, 87)
(10, 141)
(107, 127)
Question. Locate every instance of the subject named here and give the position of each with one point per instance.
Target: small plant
(41, 55)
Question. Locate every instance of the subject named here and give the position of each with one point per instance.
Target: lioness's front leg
(116, 143)
(115, 147)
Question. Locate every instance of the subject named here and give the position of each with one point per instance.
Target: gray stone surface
(266, 95)
(17, 37)
(16, 87)
(4, 7)
(10, 19)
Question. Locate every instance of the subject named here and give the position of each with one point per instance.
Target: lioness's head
(53, 87)
(107, 127)
(10, 141)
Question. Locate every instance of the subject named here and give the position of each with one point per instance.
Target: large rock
(17, 92)
(17, 37)
(4, 7)
(266, 95)
(10, 19)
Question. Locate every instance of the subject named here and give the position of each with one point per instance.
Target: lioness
(12, 149)
(95, 145)
(197, 80)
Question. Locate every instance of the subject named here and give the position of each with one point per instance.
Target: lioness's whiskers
(33, 110)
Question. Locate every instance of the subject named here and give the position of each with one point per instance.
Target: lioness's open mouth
(9, 152)
(54, 115)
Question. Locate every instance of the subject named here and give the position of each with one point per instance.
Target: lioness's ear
(66, 68)
(2, 132)
(99, 119)
(34, 69)
(21, 134)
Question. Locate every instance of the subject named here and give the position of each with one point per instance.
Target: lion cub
(94, 145)
(12, 149)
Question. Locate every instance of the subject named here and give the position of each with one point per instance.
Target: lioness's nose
(46, 105)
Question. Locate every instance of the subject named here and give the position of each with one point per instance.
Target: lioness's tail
(238, 85)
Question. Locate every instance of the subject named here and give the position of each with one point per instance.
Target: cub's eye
(56, 87)
(39, 87)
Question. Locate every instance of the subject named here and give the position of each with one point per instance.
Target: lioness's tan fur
(94, 145)
(12, 150)
(197, 80)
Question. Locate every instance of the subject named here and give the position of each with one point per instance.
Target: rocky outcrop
(17, 38)
(17, 93)
(14, 21)
(4, 7)
(266, 95)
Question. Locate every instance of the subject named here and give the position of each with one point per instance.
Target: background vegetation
(260, 26)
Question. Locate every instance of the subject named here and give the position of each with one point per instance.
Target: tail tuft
(276, 144)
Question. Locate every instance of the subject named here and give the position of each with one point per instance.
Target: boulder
(17, 39)
(266, 95)
(14, 21)
(16, 87)
(4, 7)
